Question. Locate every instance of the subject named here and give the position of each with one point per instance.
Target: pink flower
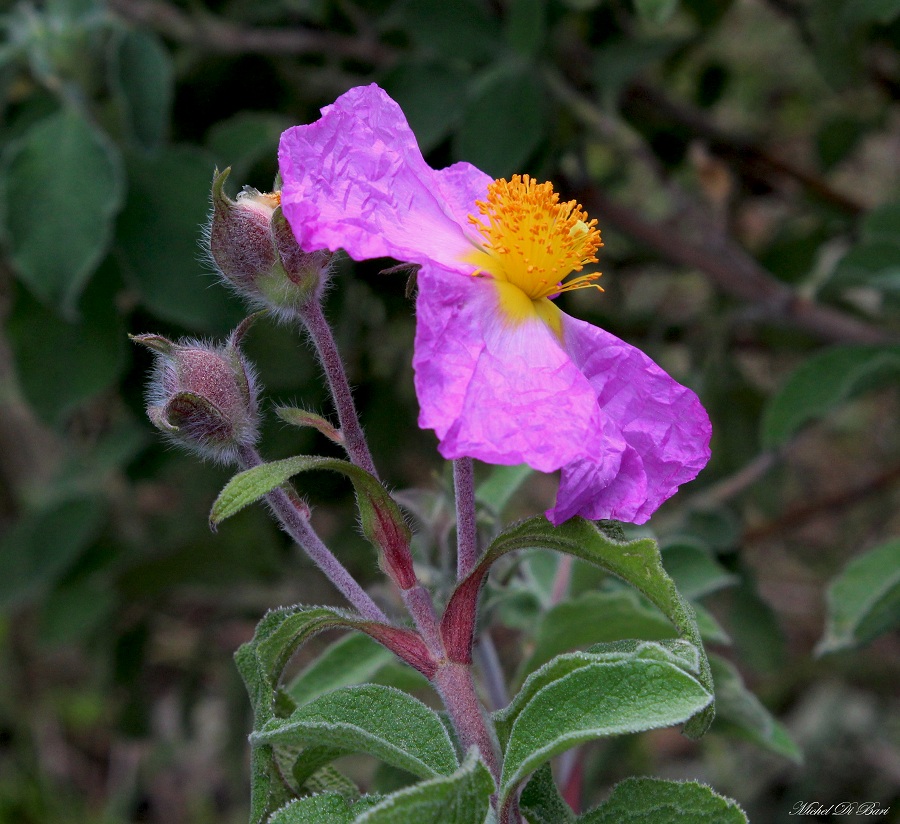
(501, 373)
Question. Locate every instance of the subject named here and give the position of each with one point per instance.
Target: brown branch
(216, 34)
(829, 504)
(735, 272)
(754, 161)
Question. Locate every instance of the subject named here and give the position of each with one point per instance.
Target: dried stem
(297, 525)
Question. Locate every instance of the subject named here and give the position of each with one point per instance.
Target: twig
(735, 272)
(755, 160)
(215, 34)
(800, 515)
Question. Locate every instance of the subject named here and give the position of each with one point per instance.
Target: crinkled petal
(356, 180)
(663, 424)
(505, 394)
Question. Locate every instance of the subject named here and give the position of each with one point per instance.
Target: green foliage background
(741, 158)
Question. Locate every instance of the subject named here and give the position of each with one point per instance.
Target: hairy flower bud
(201, 396)
(254, 249)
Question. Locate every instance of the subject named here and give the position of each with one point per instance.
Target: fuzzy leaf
(61, 186)
(695, 571)
(460, 798)
(142, 74)
(682, 654)
(601, 699)
(541, 801)
(740, 713)
(382, 521)
(350, 660)
(864, 600)
(638, 563)
(821, 383)
(596, 617)
(381, 721)
(654, 801)
(328, 808)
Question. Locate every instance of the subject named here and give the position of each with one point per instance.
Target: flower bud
(203, 397)
(254, 249)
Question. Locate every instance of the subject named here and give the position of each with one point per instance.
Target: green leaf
(504, 120)
(60, 363)
(382, 522)
(821, 383)
(758, 637)
(38, 550)
(874, 263)
(260, 663)
(497, 490)
(638, 563)
(328, 808)
(617, 61)
(158, 234)
(60, 188)
(541, 801)
(656, 11)
(883, 223)
(349, 660)
(525, 26)
(654, 801)
(431, 96)
(740, 713)
(461, 30)
(682, 654)
(695, 572)
(142, 75)
(856, 12)
(380, 721)
(864, 600)
(245, 140)
(460, 798)
(593, 617)
(600, 699)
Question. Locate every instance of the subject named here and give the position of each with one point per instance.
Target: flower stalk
(466, 526)
(320, 333)
(296, 524)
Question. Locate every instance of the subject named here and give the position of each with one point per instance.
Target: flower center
(533, 241)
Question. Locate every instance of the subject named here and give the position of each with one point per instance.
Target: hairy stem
(296, 524)
(421, 608)
(456, 687)
(320, 332)
(466, 527)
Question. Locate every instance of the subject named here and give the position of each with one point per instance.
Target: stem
(333, 366)
(466, 528)
(421, 608)
(457, 690)
(297, 525)
(562, 580)
(489, 663)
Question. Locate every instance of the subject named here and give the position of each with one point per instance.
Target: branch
(735, 272)
(214, 33)
(829, 504)
(755, 161)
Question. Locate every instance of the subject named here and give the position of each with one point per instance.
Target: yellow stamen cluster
(533, 241)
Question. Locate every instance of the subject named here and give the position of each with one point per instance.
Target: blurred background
(742, 158)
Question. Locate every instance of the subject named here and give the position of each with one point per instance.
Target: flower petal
(503, 393)
(355, 179)
(663, 424)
